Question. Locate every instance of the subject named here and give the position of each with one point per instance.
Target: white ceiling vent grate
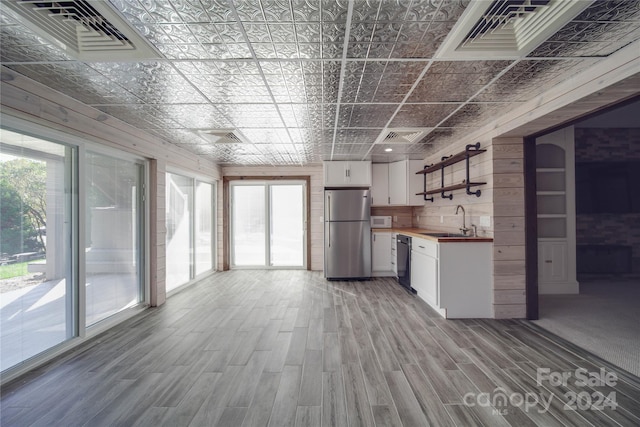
(90, 30)
(222, 136)
(507, 28)
(403, 135)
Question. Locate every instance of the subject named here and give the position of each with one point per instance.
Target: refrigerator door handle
(329, 217)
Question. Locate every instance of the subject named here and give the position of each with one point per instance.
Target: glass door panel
(179, 194)
(287, 225)
(113, 242)
(37, 181)
(204, 227)
(249, 225)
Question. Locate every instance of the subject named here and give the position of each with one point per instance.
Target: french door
(268, 224)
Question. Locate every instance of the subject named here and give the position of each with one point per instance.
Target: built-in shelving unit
(471, 150)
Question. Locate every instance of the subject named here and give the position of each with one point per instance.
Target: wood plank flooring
(288, 348)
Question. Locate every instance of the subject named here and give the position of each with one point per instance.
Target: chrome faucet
(464, 228)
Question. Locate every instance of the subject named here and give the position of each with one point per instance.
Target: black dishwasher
(404, 261)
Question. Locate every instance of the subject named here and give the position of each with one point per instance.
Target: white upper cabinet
(380, 184)
(396, 184)
(347, 174)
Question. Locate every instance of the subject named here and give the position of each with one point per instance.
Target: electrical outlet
(395, 218)
(441, 219)
(485, 221)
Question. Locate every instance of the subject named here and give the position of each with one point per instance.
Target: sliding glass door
(71, 241)
(37, 278)
(190, 229)
(113, 235)
(268, 222)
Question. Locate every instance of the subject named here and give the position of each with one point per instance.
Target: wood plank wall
(33, 102)
(314, 172)
(509, 282)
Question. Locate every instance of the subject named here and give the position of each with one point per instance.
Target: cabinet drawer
(424, 247)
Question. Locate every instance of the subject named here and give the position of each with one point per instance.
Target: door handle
(329, 215)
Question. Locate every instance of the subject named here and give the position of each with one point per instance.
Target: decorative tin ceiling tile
(211, 76)
(308, 33)
(422, 115)
(332, 10)
(455, 82)
(191, 11)
(471, 115)
(249, 10)
(333, 33)
(451, 10)
(286, 51)
(160, 12)
(529, 78)
(229, 32)
(195, 116)
(140, 116)
(611, 10)
(20, 44)
(77, 80)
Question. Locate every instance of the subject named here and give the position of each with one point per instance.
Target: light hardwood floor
(288, 348)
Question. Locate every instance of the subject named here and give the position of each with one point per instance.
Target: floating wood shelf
(451, 188)
(451, 160)
(471, 150)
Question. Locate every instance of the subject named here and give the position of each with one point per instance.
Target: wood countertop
(419, 232)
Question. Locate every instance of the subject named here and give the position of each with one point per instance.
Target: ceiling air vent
(403, 135)
(507, 28)
(90, 30)
(222, 136)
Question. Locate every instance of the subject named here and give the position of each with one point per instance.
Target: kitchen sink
(445, 234)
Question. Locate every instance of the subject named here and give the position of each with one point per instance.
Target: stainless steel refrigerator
(347, 234)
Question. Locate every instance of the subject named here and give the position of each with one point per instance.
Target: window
(190, 225)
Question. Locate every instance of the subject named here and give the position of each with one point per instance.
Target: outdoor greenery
(13, 270)
(22, 206)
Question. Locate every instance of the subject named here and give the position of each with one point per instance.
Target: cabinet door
(335, 174)
(381, 252)
(359, 174)
(552, 261)
(415, 183)
(380, 184)
(398, 183)
(424, 277)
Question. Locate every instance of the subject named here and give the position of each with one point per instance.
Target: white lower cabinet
(454, 278)
(381, 254)
(424, 270)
